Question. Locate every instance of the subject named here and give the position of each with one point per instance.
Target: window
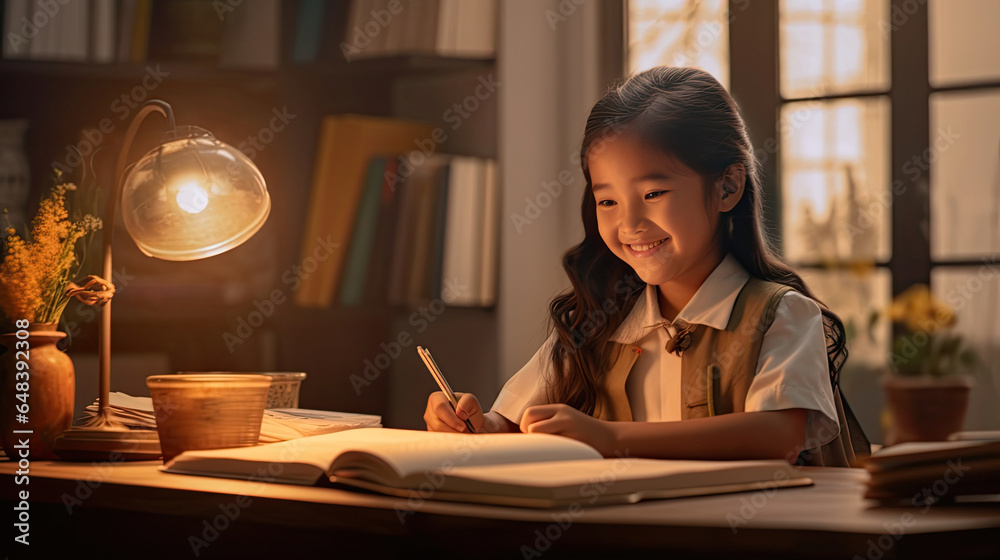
(679, 33)
(834, 175)
(887, 173)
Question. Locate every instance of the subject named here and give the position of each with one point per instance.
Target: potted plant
(35, 281)
(929, 379)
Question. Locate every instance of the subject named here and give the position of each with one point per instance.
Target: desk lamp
(189, 198)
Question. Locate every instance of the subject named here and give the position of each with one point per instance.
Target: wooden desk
(132, 510)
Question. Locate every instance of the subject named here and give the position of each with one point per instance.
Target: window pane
(853, 296)
(679, 33)
(964, 161)
(963, 41)
(974, 294)
(834, 180)
(832, 46)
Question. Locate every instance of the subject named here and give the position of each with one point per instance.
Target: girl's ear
(730, 186)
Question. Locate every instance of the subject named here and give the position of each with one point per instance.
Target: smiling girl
(684, 335)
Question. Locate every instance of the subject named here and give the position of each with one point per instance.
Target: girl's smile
(642, 250)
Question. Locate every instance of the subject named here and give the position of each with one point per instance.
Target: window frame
(754, 40)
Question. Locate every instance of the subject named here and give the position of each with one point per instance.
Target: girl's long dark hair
(687, 114)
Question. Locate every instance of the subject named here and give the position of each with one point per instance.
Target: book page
(590, 479)
(410, 452)
(405, 452)
(621, 480)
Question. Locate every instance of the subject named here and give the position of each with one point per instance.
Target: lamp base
(85, 443)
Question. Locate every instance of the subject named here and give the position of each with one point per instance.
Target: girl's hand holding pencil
(441, 417)
(472, 407)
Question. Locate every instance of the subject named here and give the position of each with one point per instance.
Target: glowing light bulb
(191, 197)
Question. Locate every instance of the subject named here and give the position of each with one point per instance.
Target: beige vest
(717, 369)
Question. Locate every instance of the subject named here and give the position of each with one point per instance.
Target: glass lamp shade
(193, 197)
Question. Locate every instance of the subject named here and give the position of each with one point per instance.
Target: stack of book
(922, 473)
(406, 224)
(280, 424)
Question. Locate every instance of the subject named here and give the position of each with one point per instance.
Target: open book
(527, 470)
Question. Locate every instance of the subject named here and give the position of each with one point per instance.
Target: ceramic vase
(47, 389)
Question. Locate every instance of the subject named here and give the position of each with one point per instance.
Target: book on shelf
(448, 28)
(251, 36)
(429, 182)
(524, 470)
(346, 145)
(139, 31)
(442, 195)
(491, 236)
(106, 31)
(923, 472)
(278, 424)
(124, 20)
(47, 30)
(399, 230)
(377, 275)
(103, 31)
(446, 233)
(308, 30)
(462, 246)
(363, 237)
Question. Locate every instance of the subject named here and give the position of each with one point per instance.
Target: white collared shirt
(792, 369)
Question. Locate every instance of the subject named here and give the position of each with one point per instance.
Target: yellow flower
(918, 310)
(34, 274)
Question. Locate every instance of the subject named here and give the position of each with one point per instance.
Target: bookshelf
(184, 310)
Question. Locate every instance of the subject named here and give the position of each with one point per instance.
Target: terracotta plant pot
(926, 408)
(47, 389)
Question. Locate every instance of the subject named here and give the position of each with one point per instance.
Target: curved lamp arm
(104, 356)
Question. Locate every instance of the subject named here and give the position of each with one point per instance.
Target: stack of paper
(282, 424)
(278, 424)
(134, 412)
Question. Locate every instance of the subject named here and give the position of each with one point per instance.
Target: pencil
(439, 378)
